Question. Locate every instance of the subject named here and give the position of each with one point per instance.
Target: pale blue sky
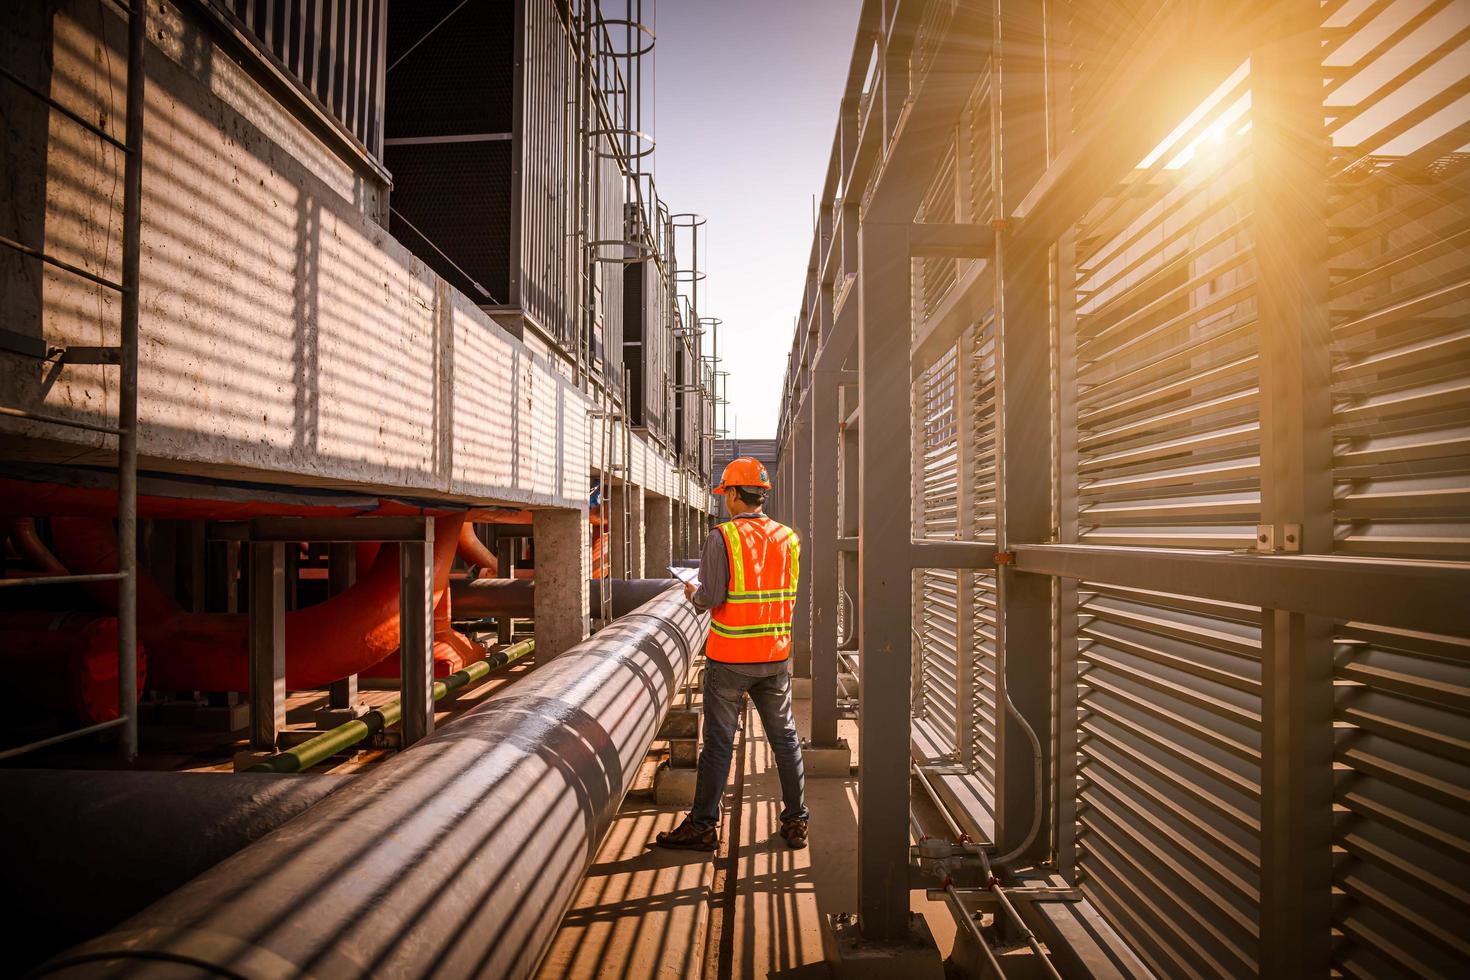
(746, 95)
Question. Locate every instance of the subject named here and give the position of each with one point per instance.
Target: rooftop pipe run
(457, 857)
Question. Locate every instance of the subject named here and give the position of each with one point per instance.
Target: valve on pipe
(457, 857)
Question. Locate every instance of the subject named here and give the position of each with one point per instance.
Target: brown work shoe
(689, 836)
(794, 832)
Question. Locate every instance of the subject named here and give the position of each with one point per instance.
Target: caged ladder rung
(124, 357)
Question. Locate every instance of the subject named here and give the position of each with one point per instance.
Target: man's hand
(689, 589)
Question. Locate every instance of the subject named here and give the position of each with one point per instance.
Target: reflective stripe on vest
(753, 624)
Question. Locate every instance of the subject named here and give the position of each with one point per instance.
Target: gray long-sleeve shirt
(714, 587)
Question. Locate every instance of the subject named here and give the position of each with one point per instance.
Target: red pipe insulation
(474, 553)
(65, 661)
(346, 634)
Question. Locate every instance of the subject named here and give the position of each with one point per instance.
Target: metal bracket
(1005, 558)
(1290, 539)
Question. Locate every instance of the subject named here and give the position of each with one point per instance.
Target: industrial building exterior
(357, 392)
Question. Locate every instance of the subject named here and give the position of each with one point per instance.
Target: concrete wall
(285, 335)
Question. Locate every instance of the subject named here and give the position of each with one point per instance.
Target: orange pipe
(344, 635)
(474, 553)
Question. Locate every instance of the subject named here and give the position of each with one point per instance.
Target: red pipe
(474, 553)
(344, 635)
(65, 661)
(23, 535)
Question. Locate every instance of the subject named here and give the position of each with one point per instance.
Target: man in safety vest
(747, 579)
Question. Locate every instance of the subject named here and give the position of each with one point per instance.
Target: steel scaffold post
(822, 563)
(1024, 621)
(884, 601)
(1290, 159)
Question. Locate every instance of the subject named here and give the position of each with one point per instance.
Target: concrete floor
(753, 910)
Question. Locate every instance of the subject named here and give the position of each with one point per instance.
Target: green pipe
(348, 734)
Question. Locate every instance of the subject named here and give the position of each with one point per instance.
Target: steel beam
(1022, 305)
(801, 519)
(1290, 147)
(416, 634)
(341, 574)
(820, 560)
(1423, 596)
(884, 600)
(267, 638)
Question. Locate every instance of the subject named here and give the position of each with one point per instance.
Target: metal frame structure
(1156, 316)
(124, 356)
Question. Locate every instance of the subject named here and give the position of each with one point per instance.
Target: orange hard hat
(744, 471)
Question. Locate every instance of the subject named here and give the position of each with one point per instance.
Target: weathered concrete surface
(563, 565)
(659, 532)
(285, 336)
(627, 535)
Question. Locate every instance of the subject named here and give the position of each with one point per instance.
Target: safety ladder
(123, 356)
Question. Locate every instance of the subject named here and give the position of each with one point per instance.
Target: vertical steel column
(1065, 506)
(884, 601)
(847, 511)
(416, 634)
(801, 488)
(341, 574)
(1290, 154)
(267, 631)
(127, 397)
(819, 560)
(1024, 452)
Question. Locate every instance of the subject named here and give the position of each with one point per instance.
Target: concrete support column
(658, 514)
(563, 566)
(801, 489)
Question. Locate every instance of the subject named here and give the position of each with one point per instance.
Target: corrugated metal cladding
(334, 48)
(450, 110)
(647, 346)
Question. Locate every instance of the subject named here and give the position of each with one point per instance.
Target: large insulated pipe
(455, 858)
(82, 851)
(516, 596)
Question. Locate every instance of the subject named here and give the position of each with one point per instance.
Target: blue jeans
(724, 692)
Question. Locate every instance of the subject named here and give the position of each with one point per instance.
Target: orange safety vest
(753, 624)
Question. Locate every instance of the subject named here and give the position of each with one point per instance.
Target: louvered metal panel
(1168, 415)
(938, 462)
(1399, 262)
(937, 275)
(1169, 808)
(984, 608)
(1168, 805)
